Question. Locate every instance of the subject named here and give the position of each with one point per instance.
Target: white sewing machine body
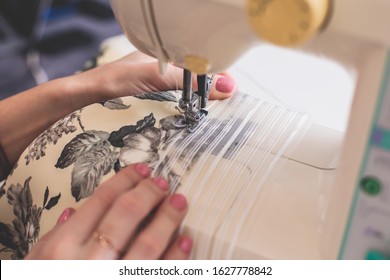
(210, 35)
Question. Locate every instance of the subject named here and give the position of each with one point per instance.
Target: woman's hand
(116, 222)
(49, 102)
(138, 73)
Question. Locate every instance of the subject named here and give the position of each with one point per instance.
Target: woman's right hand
(130, 216)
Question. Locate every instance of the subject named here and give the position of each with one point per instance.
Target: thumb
(223, 86)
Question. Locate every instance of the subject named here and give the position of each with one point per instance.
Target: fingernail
(162, 183)
(225, 85)
(142, 169)
(185, 244)
(179, 202)
(65, 215)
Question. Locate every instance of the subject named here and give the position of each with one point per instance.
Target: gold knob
(287, 22)
(196, 64)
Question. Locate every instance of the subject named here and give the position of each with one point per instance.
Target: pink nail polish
(142, 169)
(185, 244)
(179, 202)
(225, 85)
(65, 215)
(162, 183)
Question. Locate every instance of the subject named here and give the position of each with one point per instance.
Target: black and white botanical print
(66, 125)
(116, 138)
(19, 237)
(37, 149)
(165, 96)
(81, 144)
(115, 104)
(94, 154)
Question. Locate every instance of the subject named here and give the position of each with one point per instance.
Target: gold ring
(105, 242)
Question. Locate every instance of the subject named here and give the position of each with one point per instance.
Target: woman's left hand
(138, 73)
(45, 104)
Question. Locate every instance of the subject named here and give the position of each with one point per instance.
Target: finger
(155, 238)
(125, 216)
(180, 249)
(223, 87)
(84, 221)
(65, 215)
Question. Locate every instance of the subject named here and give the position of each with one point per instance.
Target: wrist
(121, 78)
(80, 90)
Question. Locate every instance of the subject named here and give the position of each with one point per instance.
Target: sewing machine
(208, 36)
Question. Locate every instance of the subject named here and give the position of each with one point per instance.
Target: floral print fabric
(78, 152)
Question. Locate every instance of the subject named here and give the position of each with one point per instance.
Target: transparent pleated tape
(224, 168)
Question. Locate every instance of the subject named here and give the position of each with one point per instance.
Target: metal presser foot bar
(192, 104)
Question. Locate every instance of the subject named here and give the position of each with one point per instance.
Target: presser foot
(191, 119)
(192, 104)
